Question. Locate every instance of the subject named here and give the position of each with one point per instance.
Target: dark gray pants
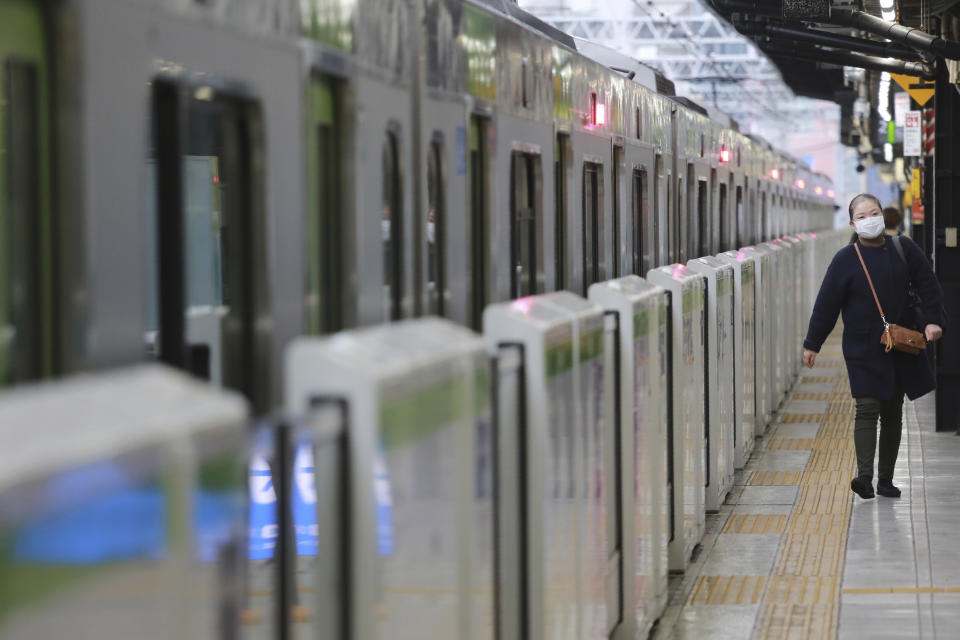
(890, 413)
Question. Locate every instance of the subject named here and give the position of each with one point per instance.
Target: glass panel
(702, 239)
(741, 223)
(436, 232)
(560, 226)
(675, 216)
(592, 226)
(724, 220)
(524, 232)
(203, 254)
(615, 183)
(477, 265)
(392, 230)
(21, 241)
(323, 300)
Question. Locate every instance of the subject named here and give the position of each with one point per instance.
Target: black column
(946, 217)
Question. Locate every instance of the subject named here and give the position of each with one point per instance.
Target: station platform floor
(794, 554)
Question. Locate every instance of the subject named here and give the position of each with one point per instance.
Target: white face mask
(869, 228)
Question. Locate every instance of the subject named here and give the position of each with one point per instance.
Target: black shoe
(862, 486)
(886, 488)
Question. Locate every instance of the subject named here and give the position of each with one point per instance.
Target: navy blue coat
(872, 371)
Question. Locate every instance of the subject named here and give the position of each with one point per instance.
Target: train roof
(690, 104)
(628, 67)
(513, 10)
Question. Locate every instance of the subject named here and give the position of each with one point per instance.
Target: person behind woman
(878, 379)
(891, 220)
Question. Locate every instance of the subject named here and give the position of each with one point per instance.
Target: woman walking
(878, 378)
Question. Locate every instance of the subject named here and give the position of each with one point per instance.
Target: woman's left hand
(933, 332)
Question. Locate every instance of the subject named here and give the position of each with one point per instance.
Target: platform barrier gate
(639, 310)
(767, 319)
(420, 470)
(746, 363)
(573, 565)
(687, 325)
(121, 507)
(720, 378)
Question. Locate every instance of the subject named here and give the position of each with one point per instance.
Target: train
(203, 184)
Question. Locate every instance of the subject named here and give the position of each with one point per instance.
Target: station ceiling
(812, 41)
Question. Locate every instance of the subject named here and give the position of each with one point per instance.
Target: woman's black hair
(856, 200)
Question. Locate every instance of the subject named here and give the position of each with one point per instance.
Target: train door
(325, 225)
(391, 225)
(740, 221)
(592, 224)
(435, 232)
(526, 229)
(206, 258)
(704, 215)
(27, 257)
(643, 224)
(561, 169)
(724, 220)
(661, 208)
(615, 228)
(680, 199)
(477, 261)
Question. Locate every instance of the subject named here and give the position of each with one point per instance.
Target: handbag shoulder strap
(863, 264)
(899, 248)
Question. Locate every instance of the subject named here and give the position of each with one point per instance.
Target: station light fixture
(775, 173)
(888, 11)
(801, 183)
(724, 156)
(831, 193)
(819, 190)
(883, 97)
(600, 118)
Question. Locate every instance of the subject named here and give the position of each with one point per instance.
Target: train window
(525, 228)
(592, 225)
(524, 72)
(477, 225)
(703, 221)
(724, 219)
(436, 232)
(641, 220)
(615, 228)
(659, 252)
(763, 231)
(675, 217)
(562, 155)
(208, 227)
(324, 294)
(391, 225)
(740, 222)
(24, 236)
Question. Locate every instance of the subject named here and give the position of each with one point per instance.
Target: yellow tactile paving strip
(801, 598)
(756, 523)
(790, 444)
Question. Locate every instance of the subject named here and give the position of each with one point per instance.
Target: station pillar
(946, 254)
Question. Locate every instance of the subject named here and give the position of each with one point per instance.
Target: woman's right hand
(809, 357)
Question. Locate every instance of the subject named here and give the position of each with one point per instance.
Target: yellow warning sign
(915, 184)
(919, 89)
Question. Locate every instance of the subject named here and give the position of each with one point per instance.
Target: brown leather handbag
(894, 336)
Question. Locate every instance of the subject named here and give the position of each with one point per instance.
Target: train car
(202, 183)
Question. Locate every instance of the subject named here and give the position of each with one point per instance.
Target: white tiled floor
(907, 543)
(910, 542)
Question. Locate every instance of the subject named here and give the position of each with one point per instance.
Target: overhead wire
(695, 50)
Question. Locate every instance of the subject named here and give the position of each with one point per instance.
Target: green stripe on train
(411, 416)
